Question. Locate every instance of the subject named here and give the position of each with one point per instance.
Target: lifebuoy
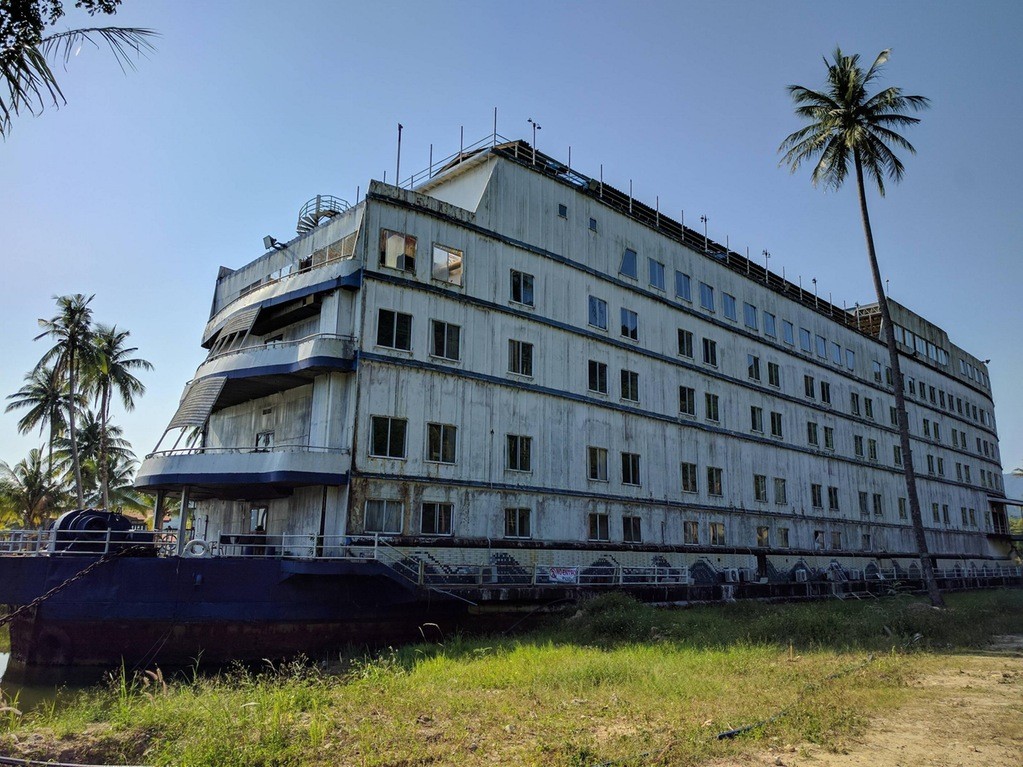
(197, 548)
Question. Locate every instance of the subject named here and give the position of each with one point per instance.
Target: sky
(145, 183)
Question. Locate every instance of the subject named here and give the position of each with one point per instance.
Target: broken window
(397, 250)
(691, 532)
(714, 476)
(447, 264)
(717, 533)
(629, 267)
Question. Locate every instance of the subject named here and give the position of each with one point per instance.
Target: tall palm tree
(26, 489)
(111, 374)
(847, 126)
(45, 397)
(92, 437)
(71, 330)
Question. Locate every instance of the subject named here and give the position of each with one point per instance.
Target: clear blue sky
(142, 186)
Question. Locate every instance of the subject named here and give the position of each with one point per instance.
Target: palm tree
(45, 396)
(27, 490)
(26, 53)
(848, 126)
(111, 374)
(92, 437)
(71, 330)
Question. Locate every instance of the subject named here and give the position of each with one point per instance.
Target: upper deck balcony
(314, 353)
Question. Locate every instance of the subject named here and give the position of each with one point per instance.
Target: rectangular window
(596, 459)
(854, 403)
(717, 534)
(435, 519)
(593, 224)
(836, 540)
(959, 472)
(521, 288)
(944, 514)
(388, 437)
(805, 340)
(897, 455)
(445, 340)
(685, 343)
(597, 377)
(630, 385)
(877, 371)
(599, 528)
(780, 496)
(783, 537)
(935, 513)
(872, 450)
(770, 325)
(756, 418)
(687, 401)
(441, 440)
(941, 466)
(868, 408)
(817, 496)
(710, 352)
(829, 438)
(562, 211)
(630, 469)
(630, 324)
(864, 508)
(966, 472)
(520, 450)
(825, 392)
(930, 464)
(520, 357)
(893, 415)
(776, 424)
(598, 313)
(706, 296)
(383, 516)
(447, 264)
(394, 330)
(773, 374)
(962, 516)
(760, 488)
(822, 347)
(836, 353)
(903, 514)
(683, 286)
(833, 498)
(656, 274)
(517, 523)
(714, 477)
(397, 250)
(691, 532)
(728, 306)
(878, 508)
(763, 537)
(749, 315)
(809, 389)
(788, 332)
(811, 434)
(632, 530)
(629, 266)
(858, 446)
(850, 359)
(264, 441)
(689, 483)
(711, 403)
(753, 367)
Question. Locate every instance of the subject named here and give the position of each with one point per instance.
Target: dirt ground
(964, 717)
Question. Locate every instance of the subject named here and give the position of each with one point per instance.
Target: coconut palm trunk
(73, 433)
(888, 332)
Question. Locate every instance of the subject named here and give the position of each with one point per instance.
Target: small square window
(445, 340)
(397, 251)
(593, 224)
(563, 211)
(447, 265)
(520, 357)
(436, 519)
(394, 330)
(521, 288)
(517, 523)
(388, 437)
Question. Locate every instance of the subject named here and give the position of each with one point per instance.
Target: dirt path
(965, 711)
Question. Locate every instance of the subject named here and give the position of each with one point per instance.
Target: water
(40, 686)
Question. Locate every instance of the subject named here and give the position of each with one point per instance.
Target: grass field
(612, 683)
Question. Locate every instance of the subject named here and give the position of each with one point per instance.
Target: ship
(500, 385)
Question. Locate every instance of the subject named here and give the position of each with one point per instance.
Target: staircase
(321, 208)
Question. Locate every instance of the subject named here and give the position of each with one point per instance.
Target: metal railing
(436, 166)
(43, 542)
(249, 449)
(347, 340)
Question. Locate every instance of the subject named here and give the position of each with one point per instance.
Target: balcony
(322, 351)
(236, 473)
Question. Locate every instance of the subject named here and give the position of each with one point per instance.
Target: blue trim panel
(243, 478)
(329, 363)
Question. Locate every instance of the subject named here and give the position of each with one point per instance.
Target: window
(773, 374)
(257, 518)
(435, 519)
(598, 313)
(756, 419)
(445, 340)
(808, 387)
(714, 476)
(783, 537)
(706, 296)
(753, 367)
(822, 347)
(685, 343)
(850, 359)
(872, 450)
(630, 469)
(397, 250)
(521, 288)
(656, 269)
(630, 385)
(763, 537)
(836, 353)
(893, 415)
(264, 441)
(780, 496)
(388, 437)
(817, 496)
(710, 352)
(383, 516)
(441, 440)
(962, 516)
(683, 286)
(630, 324)
(966, 472)
(519, 452)
(760, 488)
(868, 408)
(930, 464)
(903, 514)
(728, 306)
(776, 424)
(749, 315)
(877, 371)
(897, 455)
(394, 330)
(689, 484)
(864, 509)
(593, 224)
(959, 472)
(447, 264)
(629, 266)
(632, 530)
(854, 403)
(597, 377)
(717, 533)
(825, 392)
(516, 523)
(858, 446)
(935, 513)
(878, 508)
(941, 467)
(805, 342)
(829, 438)
(520, 357)
(687, 400)
(563, 211)
(833, 498)
(770, 325)
(711, 402)
(788, 332)
(691, 532)
(599, 527)
(944, 514)
(811, 434)
(596, 460)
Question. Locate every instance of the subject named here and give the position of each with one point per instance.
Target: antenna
(397, 165)
(704, 219)
(767, 260)
(536, 127)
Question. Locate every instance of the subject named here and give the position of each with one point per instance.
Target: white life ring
(197, 548)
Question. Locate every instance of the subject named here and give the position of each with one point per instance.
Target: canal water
(26, 693)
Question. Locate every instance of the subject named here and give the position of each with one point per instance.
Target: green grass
(614, 680)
